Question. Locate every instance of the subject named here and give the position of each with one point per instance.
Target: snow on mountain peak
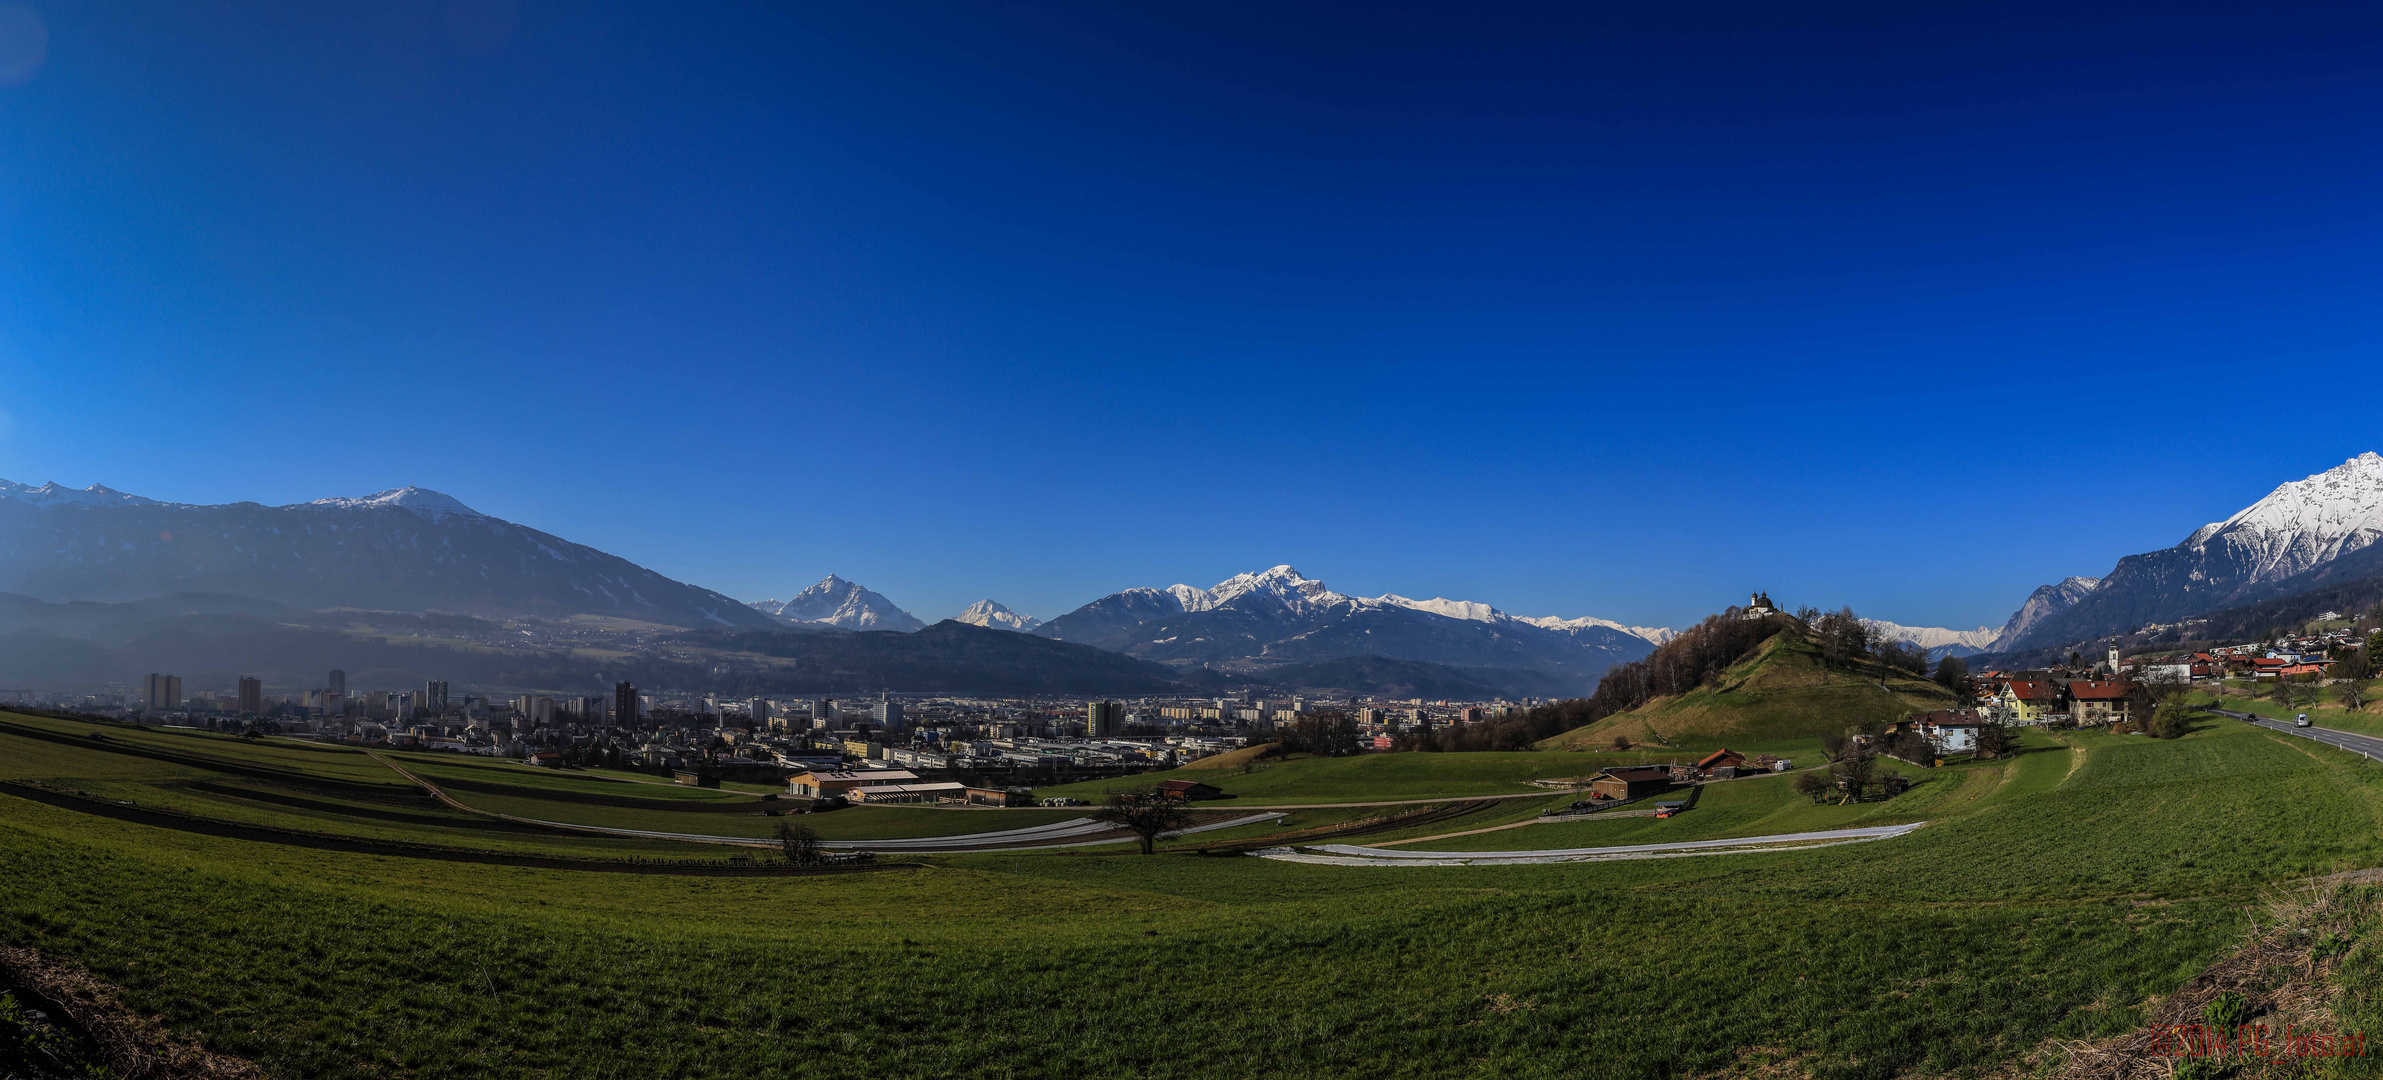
(1281, 583)
(995, 615)
(437, 506)
(56, 494)
(841, 603)
(1653, 634)
(1932, 637)
(1468, 610)
(2305, 522)
(1476, 611)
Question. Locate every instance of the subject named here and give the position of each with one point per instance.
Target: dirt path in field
(1649, 812)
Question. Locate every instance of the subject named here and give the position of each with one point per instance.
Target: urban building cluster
(886, 748)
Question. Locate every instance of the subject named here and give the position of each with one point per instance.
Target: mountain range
(1937, 640)
(1255, 621)
(406, 549)
(2305, 535)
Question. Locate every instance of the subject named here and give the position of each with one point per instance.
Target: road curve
(1350, 855)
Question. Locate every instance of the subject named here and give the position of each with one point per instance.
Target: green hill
(1784, 691)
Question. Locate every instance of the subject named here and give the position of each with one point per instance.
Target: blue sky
(1575, 311)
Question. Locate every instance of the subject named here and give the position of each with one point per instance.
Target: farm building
(821, 785)
(1188, 790)
(905, 793)
(993, 796)
(1723, 763)
(1631, 783)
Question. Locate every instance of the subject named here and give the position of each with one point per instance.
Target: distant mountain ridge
(2305, 534)
(1939, 641)
(842, 604)
(1278, 616)
(404, 549)
(994, 615)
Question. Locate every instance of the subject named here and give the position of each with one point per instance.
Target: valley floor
(2050, 897)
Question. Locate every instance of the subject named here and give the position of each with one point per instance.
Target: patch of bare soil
(95, 1024)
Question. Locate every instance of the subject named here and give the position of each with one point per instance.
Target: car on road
(2301, 720)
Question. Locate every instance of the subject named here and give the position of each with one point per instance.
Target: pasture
(2050, 896)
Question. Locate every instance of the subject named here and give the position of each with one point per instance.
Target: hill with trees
(1775, 678)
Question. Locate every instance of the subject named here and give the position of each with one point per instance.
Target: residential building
(2027, 701)
(434, 697)
(1103, 719)
(625, 709)
(338, 683)
(2097, 701)
(252, 696)
(886, 714)
(164, 692)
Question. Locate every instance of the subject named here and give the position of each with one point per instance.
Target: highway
(2367, 745)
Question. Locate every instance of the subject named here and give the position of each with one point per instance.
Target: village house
(1951, 731)
(2098, 701)
(2027, 701)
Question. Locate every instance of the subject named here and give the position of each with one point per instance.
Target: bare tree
(1813, 785)
(2354, 693)
(800, 844)
(1996, 741)
(1144, 813)
(1621, 742)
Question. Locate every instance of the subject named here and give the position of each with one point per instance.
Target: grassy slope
(1784, 692)
(2051, 904)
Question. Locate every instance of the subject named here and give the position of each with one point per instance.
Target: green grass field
(2050, 897)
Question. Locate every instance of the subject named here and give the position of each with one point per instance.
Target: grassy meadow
(2053, 895)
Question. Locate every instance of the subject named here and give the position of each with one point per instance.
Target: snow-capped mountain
(840, 603)
(434, 505)
(56, 494)
(1937, 640)
(405, 549)
(1279, 616)
(2307, 533)
(996, 616)
(2045, 602)
(1655, 635)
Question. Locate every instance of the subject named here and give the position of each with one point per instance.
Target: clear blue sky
(1620, 312)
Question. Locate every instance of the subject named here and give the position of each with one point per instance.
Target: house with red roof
(2094, 701)
(2026, 701)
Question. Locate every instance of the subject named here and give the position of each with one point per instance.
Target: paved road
(2366, 745)
(1349, 855)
